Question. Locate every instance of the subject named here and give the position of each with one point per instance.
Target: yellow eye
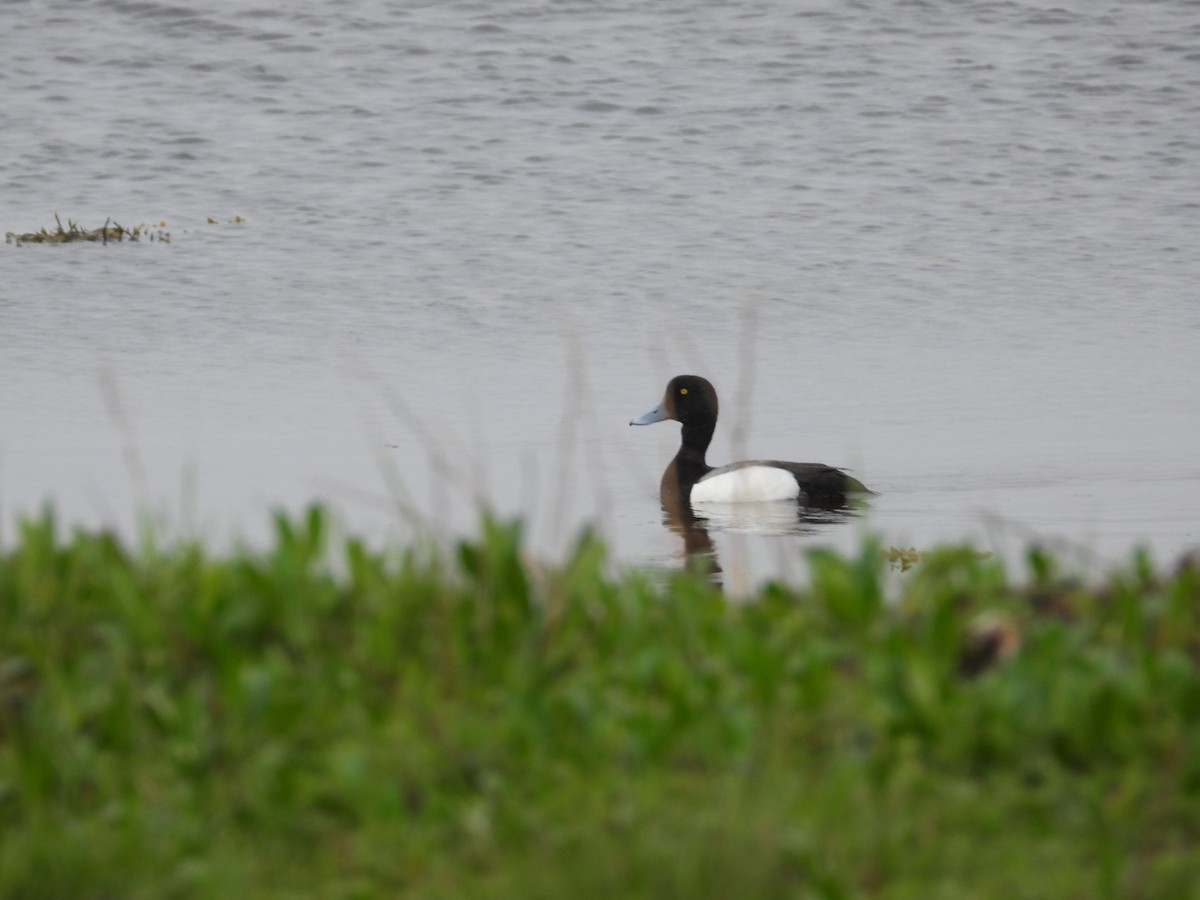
(683, 391)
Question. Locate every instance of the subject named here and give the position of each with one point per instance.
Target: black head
(689, 399)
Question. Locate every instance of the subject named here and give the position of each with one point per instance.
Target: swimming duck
(692, 401)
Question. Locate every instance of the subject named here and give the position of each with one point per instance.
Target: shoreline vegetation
(322, 719)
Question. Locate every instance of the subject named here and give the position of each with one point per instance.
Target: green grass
(324, 720)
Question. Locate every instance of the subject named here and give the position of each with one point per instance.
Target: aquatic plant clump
(109, 231)
(323, 719)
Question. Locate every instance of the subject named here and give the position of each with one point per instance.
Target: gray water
(951, 246)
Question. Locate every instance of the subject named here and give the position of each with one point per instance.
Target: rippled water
(952, 246)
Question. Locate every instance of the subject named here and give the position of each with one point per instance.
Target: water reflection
(694, 522)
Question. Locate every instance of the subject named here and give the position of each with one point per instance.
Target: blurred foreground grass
(323, 720)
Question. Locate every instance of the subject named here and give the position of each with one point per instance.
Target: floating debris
(110, 231)
(904, 560)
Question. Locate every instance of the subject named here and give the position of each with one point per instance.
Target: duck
(692, 401)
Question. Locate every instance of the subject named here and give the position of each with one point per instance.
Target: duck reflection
(699, 551)
(695, 524)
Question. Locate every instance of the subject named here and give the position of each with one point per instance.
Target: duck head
(689, 399)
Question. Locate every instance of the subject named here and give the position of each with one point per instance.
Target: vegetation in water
(322, 719)
(109, 231)
(904, 560)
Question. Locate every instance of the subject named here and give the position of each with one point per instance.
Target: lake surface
(952, 247)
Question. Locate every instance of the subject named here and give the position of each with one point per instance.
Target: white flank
(745, 484)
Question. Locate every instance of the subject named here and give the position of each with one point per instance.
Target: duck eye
(682, 391)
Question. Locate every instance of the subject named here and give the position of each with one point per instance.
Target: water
(951, 246)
